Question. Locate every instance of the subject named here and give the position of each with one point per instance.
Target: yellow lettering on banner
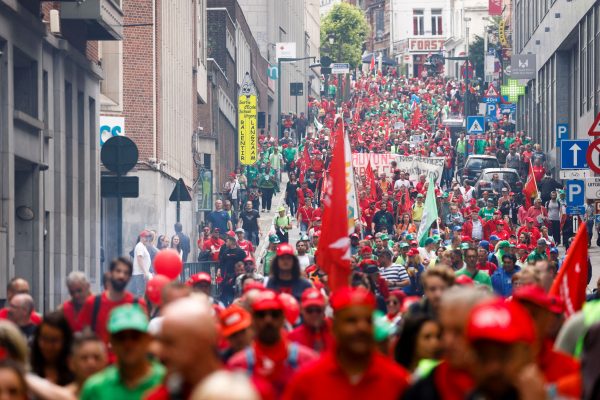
(247, 129)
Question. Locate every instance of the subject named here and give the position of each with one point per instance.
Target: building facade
(419, 30)
(565, 37)
(282, 21)
(49, 152)
(155, 80)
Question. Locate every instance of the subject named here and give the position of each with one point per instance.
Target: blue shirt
(219, 220)
(502, 281)
(416, 286)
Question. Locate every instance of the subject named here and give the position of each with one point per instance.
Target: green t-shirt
(289, 154)
(107, 385)
(486, 213)
(535, 256)
(480, 277)
(269, 256)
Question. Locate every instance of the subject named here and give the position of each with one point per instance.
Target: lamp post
(279, 61)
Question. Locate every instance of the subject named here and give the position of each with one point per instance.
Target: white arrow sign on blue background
(572, 154)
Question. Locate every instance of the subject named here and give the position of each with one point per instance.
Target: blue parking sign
(575, 193)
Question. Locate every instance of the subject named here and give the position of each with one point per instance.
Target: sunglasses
(272, 313)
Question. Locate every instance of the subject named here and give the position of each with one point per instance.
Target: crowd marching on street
(465, 279)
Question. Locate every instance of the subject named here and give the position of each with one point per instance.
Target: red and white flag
(530, 189)
(571, 282)
(495, 7)
(333, 251)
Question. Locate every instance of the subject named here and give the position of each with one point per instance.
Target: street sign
(475, 125)
(493, 100)
(119, 154)
(490, 112)
(580, 210)
(508, 108)
(595, 128)
(575, 193)
(574, 174)
(592, 188)
(340, 68)
(562, 133)
(119, 186)
(492, 92)
(179, 194)
(593, 156)
(572, 154)
(296, 89)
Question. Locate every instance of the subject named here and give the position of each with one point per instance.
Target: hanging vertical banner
(495, 7)
(247, 121)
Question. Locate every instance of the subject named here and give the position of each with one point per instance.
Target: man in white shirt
(141, 266)
(404, 181)
(427, 252)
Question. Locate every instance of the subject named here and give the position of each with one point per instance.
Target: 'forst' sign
(247, 122)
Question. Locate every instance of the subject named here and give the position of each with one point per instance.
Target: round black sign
(119, 154)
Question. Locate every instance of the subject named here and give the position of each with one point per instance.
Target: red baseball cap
(312, 297)
(500, 321)
(285, 249)
(348, 297)
(231, 234)
(537, 295)
(528, 219)
(234, 319)
(248, 259)
(466, 239)
(317, 233)
(197, 278)
(145, 233)
(267, 300)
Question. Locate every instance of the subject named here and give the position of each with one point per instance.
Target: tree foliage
(476, 50)
(349, 26)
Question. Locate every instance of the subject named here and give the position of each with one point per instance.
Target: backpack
(96, 309)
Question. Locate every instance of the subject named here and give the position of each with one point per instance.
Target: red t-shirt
(247, 246)
(325, 380)
(71, 315)
(34, 318)
(106, 306)
(318, 341)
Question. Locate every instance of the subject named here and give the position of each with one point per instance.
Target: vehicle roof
(481, 156)
(492, 170)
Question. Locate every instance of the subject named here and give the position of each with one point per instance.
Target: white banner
(415, 165)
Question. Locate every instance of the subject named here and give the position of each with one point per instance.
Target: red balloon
(291, 308)
(154, 288)
(168, 263)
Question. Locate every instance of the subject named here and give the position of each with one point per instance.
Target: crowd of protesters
(464, 312)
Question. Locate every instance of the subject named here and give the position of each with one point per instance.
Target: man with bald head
(188, 346)
(20, 308)
(18, 286)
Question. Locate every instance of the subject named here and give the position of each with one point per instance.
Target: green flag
(430, 214)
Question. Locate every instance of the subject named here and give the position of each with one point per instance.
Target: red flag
(372, 66)
(371, 183)
(495, 7)
(304, 164)
(333, 251)
(530, 188)
(571, 281)
(416, 117)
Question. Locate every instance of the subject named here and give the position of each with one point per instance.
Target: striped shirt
(394, 273)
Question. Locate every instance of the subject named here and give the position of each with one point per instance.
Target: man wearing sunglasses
(315, 331)
(271, 357)
(133, 374)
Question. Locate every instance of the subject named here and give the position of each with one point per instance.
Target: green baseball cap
(128, 317)
(404, 245)
(410, 236)
(384, 237)
(274, 239)
(429, 240)
(464, 246)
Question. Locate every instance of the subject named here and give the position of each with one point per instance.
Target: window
(379, 24)
(418, 23)
(590, 59)
(25, 83)
(583, 63)
(436, 22)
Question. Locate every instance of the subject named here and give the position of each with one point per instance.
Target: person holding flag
(430, 214)
(530, 189)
